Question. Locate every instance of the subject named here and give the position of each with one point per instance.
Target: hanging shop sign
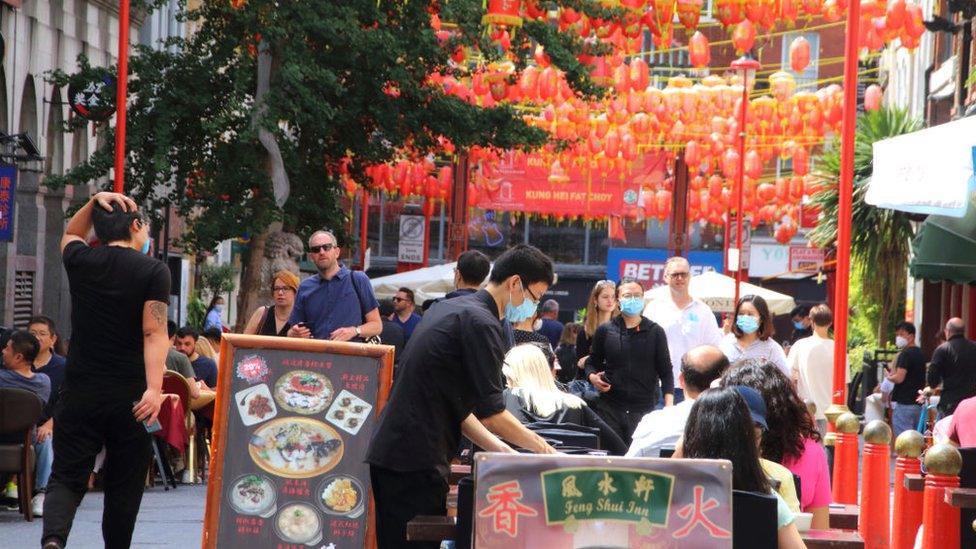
(8, 192)
(91, 94)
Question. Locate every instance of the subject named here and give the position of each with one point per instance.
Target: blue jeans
(45, 459)
(904, 417)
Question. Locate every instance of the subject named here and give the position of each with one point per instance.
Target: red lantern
(872, 97)
(728, 12)
(766, 192)
(801, 161)
(913, 21)
(503, 13)
(699, 53)
(639, 74)
(689, 11)
(692, 154)
(753, 164)
(895, 15)
(744, 36)
(799, 54)
(788, 10)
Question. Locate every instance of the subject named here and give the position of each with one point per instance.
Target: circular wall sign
(92, 95)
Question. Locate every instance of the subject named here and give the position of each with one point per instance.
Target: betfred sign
(647, 265)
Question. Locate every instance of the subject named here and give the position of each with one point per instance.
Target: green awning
(945, 248)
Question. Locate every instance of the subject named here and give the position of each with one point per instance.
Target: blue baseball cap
(757, 406)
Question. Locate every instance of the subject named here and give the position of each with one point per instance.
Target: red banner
(522, 183)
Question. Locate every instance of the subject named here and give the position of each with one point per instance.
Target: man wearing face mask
(908, 376)
(628, 360)
(449, 382)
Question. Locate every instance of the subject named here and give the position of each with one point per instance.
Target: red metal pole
(740, 184)
(844, 485)
(907, 514)
(363, 228)
(873, 520)
(845, 191)
(940, 520)
(120, 95)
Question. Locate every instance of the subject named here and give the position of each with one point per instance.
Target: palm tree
(880, 238)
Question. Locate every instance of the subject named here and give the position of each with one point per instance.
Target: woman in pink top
(792, 438)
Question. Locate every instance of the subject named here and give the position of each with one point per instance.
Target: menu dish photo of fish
(255, 404)
(253, 495)
(295, 447)
(303, 392)
(342, 495)
(348, 412)
(299, 523)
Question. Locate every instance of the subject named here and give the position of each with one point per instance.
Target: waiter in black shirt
(450, 382)
(114, 374)
(628, 357)
(954, 367)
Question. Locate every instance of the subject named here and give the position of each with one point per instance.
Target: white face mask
(900, 342)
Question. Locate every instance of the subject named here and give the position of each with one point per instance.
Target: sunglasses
(322, 248)
(399, 299)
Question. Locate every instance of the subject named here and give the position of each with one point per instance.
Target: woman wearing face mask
(628, 358)
(751, 335)
(212, 320)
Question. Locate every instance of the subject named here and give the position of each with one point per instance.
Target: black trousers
(81, 427)
(622, 418)
(402, 496)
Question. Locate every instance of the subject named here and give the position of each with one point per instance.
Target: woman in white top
(751, 335)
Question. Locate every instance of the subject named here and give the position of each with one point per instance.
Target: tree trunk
(249, 296)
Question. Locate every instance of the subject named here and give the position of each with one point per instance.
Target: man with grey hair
(551, 327)
(688, 322)
(337, 303)
(954, 366)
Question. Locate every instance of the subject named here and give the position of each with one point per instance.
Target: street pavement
(166, 519)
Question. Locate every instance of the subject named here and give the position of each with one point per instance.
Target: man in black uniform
(450, 369)
(115, 368)
(954, 367)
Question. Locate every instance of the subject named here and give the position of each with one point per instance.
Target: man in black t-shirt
(908, 376)
(450, 382)
(114, 375)
(204, 368)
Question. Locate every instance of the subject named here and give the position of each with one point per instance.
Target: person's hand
(581, 363)
(923, 394)
(45, 431)
(147, 408)
(106, 199)
(343, 334)
(299, 330)
(727, 325)
(598, 382)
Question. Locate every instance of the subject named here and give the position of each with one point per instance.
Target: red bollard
(845, 459)
(939, 519)
(908, 505)
(873, 519)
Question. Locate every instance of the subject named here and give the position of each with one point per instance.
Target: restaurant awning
(926, 172)
(945, 249)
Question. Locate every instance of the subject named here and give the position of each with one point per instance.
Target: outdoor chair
(967, 479)
(19, 412)
(174, 383)
(465, 513)
(753, 520)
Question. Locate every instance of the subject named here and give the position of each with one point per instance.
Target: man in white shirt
(662, 428)
(687, 322)
(811, 363)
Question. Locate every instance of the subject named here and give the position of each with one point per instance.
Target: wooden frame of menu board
(257, 377)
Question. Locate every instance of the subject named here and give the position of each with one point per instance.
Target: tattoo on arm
(157, 310)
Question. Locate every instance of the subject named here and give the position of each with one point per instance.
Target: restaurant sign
(596, 501)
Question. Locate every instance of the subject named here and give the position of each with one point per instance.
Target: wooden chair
(753, 520)
(175, 383)
(19, 412)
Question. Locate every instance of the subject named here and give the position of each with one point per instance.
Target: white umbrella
(718, 292)
(426, 283)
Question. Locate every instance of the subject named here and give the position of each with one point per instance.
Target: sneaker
(37, 505)
(52, 543)
(11, 490)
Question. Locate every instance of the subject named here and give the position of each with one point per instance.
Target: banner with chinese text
(8, 201)
(526, 501)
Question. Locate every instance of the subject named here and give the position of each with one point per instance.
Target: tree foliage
(349, 79)
(880, 237)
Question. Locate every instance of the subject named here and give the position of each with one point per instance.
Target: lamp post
(746, 67)
(120, 95)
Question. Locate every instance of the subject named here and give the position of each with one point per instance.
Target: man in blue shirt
(204, 369)
(337, 303)
(52, 365)
(404, 315)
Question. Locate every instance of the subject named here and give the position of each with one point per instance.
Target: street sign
(413, 233)
(746, 243)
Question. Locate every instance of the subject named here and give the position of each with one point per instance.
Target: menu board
(294, 418)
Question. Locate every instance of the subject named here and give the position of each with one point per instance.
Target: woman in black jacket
(532, 396)
(628, 360)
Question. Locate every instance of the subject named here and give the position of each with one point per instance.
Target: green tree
(880, 237)
(245, 125)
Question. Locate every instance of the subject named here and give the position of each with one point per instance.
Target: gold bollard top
(943, 459)
(848, 423)
(877, 432)
(910, 444)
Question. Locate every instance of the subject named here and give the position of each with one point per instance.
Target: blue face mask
(748, 324)
(145, 247)
(219, 308)
(631, 306)
(516, 314)
(798, 325)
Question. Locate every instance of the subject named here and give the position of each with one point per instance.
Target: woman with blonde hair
(601, 307)
(532, 396)
(204, 348)
(273, 320)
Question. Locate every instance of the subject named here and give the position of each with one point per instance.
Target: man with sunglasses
(688, 322)
(449, 382)
(404, 315)
(337, 303)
